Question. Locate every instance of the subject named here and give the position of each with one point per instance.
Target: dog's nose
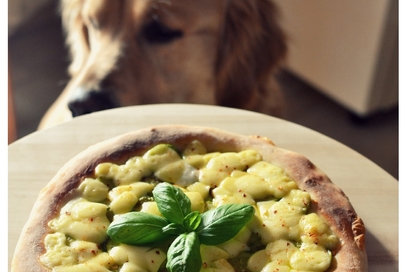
(84, 102)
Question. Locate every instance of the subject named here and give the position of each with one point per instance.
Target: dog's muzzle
(88, 101)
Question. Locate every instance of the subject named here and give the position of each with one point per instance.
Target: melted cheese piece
(82, 220)
(291, 238)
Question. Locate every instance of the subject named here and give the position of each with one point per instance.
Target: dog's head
(132, 52)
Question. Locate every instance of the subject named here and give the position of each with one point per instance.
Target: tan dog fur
(228, 53)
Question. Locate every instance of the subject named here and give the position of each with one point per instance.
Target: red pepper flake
(157, 252)
(68, 213)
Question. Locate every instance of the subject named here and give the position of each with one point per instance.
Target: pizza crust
(328, 200)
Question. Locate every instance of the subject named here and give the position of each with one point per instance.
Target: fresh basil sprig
(190, 229)
(172, 202)
(138, 228)
(184, 254)
(223, 223)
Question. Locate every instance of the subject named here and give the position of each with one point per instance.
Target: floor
(38, 62)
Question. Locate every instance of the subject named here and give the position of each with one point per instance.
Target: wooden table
(34, 160)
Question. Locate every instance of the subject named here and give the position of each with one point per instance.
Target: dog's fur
(129, 52)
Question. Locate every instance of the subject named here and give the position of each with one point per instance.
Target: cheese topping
(282, 236)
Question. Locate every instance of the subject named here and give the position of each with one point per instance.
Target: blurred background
(341, 77)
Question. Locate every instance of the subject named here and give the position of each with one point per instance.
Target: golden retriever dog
(131, 52)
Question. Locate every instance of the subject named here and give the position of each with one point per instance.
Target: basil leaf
(223, 223)
(137, 228)
(184, 254)
(172, 202)
(192, 221)
(174, 229)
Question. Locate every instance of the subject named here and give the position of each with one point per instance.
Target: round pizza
(188, 198)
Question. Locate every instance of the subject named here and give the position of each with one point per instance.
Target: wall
(19, 11)
(347, 49)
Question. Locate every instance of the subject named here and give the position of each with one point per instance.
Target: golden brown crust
(328, 200)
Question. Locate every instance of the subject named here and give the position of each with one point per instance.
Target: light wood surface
(35, 159)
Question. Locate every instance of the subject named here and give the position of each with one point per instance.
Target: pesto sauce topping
(282, 234)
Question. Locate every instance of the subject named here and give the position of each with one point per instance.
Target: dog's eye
(94, 23)
(156, 32)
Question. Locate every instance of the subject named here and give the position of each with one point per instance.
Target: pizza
(189, 198)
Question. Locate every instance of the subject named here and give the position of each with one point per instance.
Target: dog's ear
(76, 33)
(251, 47)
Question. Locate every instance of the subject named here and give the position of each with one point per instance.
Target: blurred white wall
(348, 49)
